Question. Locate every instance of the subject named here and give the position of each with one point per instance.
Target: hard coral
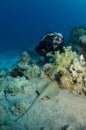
(78, 73)
(19, 108)
(75, 81)
(32, 71)
(25, 67)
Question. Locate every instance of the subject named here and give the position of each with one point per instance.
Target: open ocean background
(24, 22)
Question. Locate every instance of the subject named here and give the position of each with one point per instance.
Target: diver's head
(57, 39)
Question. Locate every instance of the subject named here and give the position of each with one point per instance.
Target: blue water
(23, 22)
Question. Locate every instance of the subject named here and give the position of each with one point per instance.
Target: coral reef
(78, 73)
(14, 86)
(46, 96)
(25, 67)
(75, 33)
(19, 108)
(78, 33)
(75, 78)
(69, 70)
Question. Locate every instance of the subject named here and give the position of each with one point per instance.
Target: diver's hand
(49, 54)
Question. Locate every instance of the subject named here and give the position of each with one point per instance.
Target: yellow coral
(61, 64)
(63, 60)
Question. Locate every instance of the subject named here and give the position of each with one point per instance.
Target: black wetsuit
(46, 45)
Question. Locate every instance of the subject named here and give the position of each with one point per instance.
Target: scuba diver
(50, 43)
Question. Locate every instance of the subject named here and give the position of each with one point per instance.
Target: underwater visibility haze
(24, 22)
